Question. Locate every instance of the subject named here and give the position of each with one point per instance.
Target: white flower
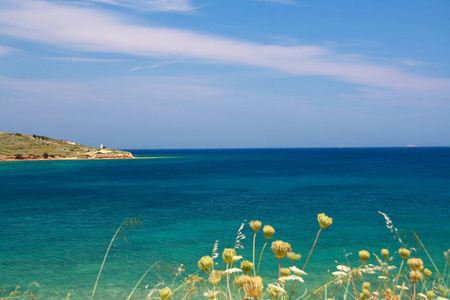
(276, 287)
(422, 295)
(402, 287)
(291, 277)
(236, 258)
(343, 268)
(382, 277)
(391, 267)
(233, 270)
(210, 294)
(339, 273)
(297, 271)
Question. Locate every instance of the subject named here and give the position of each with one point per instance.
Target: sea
(57, 218)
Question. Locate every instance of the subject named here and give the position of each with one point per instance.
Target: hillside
(16, 146)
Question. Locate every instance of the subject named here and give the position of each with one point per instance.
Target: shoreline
(77, 158)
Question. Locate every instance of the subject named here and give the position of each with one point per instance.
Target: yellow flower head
(268, 231)
(385, 253)
(427, 273)
(416, 276)
(165, 293)
(324, 221)
(246, 266)
(205, 263)
(430, 295)
(228, 255)
(281, 248)
(285, 271)
(293, 256)
(404, 253)
(416, 264)
(216, 276)
(364, 255)
(253, 286)
(255, 225)
(366, 285)
(240, 280)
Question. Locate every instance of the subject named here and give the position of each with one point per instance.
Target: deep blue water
(57, 217)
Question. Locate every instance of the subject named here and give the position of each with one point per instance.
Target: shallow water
(57, 217)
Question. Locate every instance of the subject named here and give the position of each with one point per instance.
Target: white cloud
(88, 30)
(88, 60)
(5, 50)
(151, 5)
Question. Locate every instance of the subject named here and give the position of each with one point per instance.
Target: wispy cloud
(151, 5)
(155, 65)
(5, 50)
(88, 30)
(88, 60)
(289, 2)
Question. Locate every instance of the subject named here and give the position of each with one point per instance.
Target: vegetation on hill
(23, 146)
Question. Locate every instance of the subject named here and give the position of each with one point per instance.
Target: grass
(20, 146)
(226, 275)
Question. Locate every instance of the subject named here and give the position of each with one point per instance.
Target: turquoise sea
(58, 217)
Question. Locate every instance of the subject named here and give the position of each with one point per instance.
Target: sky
(166, 74)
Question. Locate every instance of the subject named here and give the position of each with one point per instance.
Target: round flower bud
(366, 292)
(205, 263)
(240, 280)
(404, 253)
(427, 273)
(246, 266)
(253, 286)
(324, 221)
(255, 225)
(280, 249)
(385, 253)
(366, 285)
(285, 271)
(415, 264)
(364, 255)
(165, 293)
(415, 276)
(216, 276)
(228, 254)
(430, 295)
(293, 256)
(268, 231)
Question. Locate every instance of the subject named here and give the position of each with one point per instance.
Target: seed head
(293, 256)
(253, 286)
(430, 295)
(205, 263)
(385, 253)
(246, 266)
(366, 285)
(427, 273)
(285, 271)
(280, 249)
(324, 221)
(240, 280)
(364, 255)
(404, 253)
(228, 255)
(165, 293)
(415, 276)
(216, 276)
(268, 231)
(255, 225)
(416, 264)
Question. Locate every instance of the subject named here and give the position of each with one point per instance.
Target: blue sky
(227, 74)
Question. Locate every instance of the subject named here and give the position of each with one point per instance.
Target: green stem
(260, 257)
(254, 243)
(314, 245)
(306, 263)
(142, 278)
(106, 255)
